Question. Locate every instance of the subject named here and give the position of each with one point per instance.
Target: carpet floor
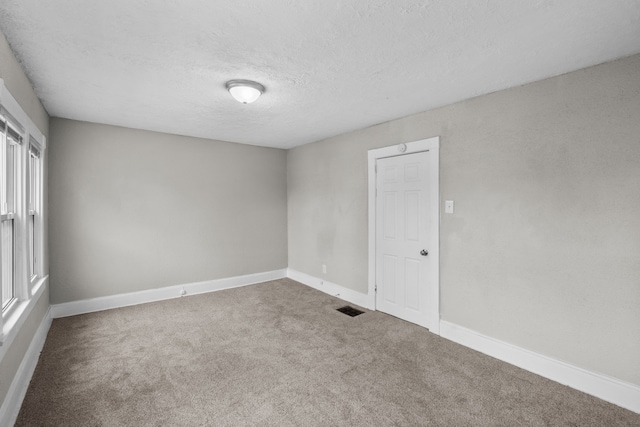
(279, 354)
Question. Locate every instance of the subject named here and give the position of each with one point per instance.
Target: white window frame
(27, 287)
(11, 206)
(34, 172)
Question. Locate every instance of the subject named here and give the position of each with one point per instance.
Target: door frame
(431, 145)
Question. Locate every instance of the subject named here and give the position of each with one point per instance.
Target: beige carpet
(279, 354)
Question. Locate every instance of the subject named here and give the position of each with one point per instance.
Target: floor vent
(350, 311)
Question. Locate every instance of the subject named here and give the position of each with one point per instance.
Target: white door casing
(403, 221)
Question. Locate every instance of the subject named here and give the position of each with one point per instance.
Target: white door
(403, 224)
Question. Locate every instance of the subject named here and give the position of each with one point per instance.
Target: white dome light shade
(245, 91)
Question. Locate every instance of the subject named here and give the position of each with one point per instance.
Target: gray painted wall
(132, 210)
(543, 250)
(20, 87)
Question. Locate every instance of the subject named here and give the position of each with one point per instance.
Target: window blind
(14, 135)
(34, 147)
(11, 126)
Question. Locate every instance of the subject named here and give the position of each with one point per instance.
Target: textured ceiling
(329, 66)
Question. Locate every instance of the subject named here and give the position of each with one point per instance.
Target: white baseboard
(134, 298)
(601, 386)
(18, 388)
(354, 297)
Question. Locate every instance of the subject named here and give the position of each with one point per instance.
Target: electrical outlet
(183, 292)
(324, 268)
(448, 206)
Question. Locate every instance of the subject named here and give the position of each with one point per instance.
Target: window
(33, 228)
(10, 141)
(22, 271)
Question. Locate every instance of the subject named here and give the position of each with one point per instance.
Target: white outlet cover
(448, 206)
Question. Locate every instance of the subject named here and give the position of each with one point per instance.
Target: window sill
(15, 318)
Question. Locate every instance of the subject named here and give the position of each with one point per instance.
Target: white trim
(429, 144)
(601, 386)
(15, 320)
(134, 298)
(18, 388)
(349, 295)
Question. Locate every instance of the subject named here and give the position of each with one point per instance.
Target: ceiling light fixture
(245, 91)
